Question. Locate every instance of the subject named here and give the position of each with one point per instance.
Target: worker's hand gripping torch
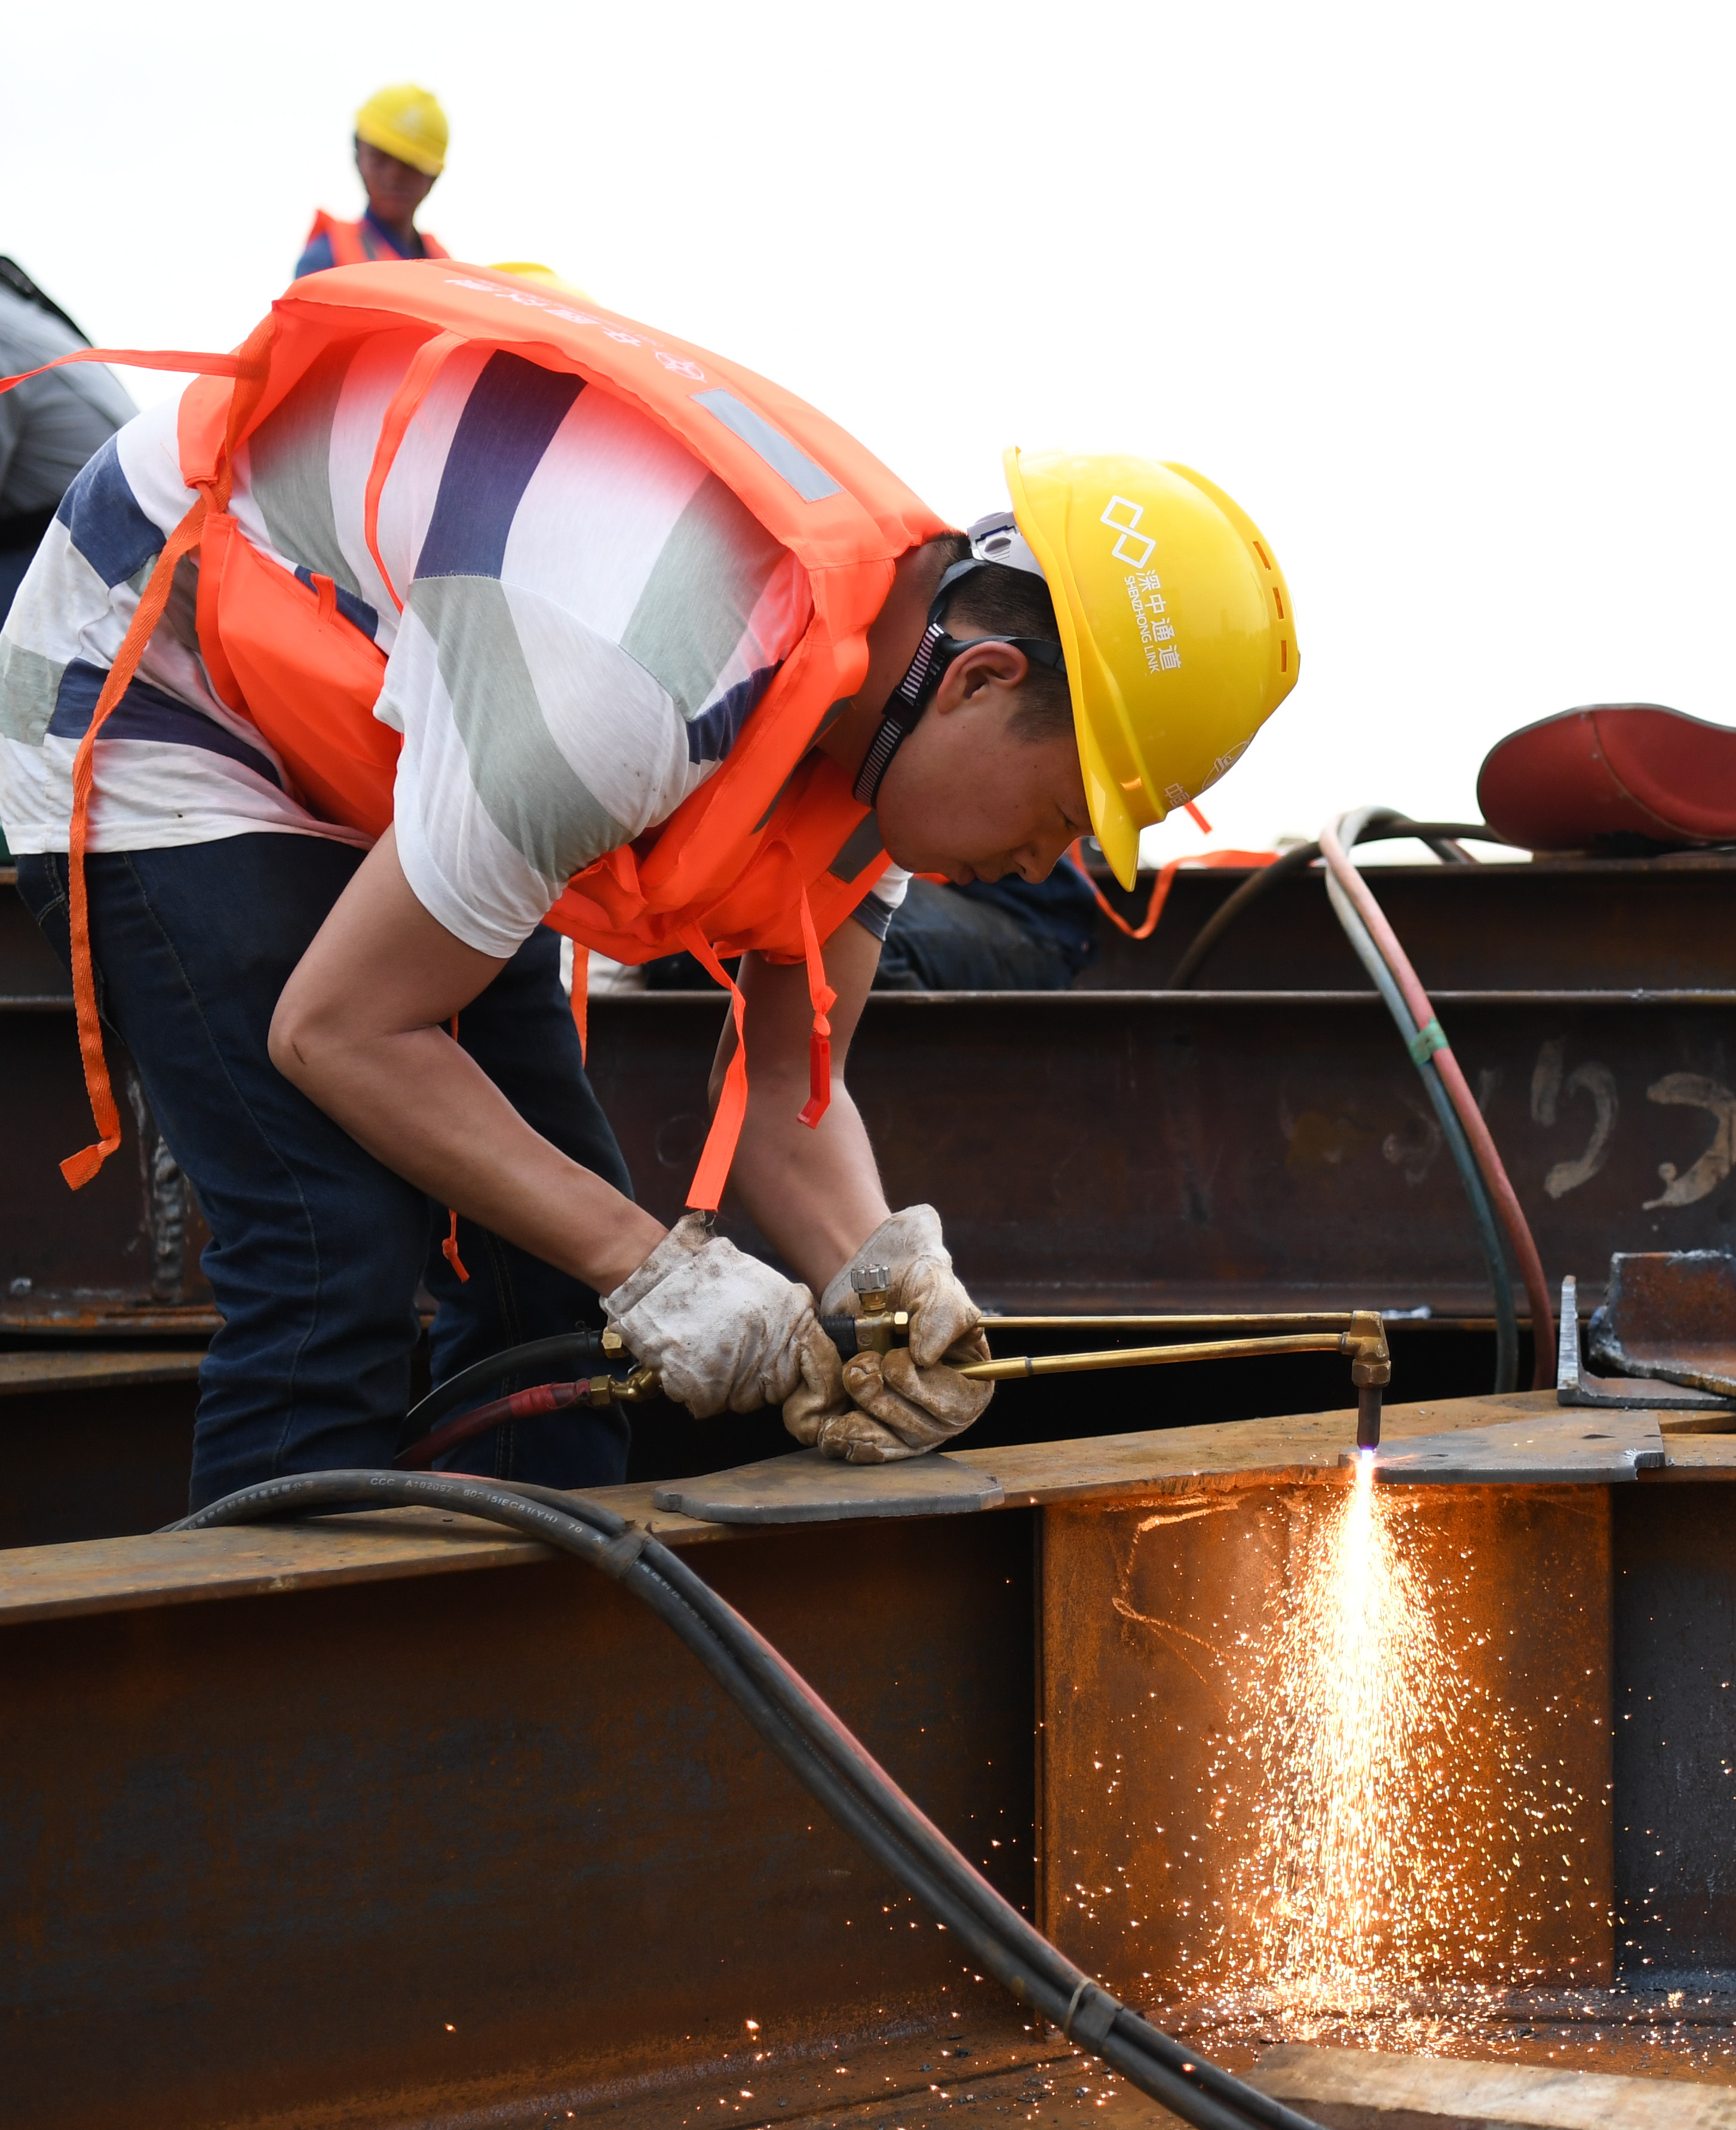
(881, 1329)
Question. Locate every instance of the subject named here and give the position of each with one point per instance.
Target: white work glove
(720, 1328)
(913, 1398)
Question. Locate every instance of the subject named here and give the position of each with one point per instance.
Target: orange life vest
(771, 852)
(353, 243)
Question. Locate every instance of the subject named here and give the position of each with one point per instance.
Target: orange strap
(719, 1151)
(449, 1248)
(1165, 882)
(822, 998)
(78, 1169)
(418, 380)
(138, 358)
(582, 997)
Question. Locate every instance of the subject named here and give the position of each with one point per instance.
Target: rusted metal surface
(1158, 1622)
(383, 1842)
(1577, 1449)
(124, 1249)
(105, 1369)
(95, 1460)
(1104, 1150)
(1577, 1385)
(359, 1838)
(1573, 924)
(1675, 1682)
(124, 1575)
(1241, 1144)
(1671, 1314)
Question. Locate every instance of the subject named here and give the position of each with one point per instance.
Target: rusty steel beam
(1159, 1624)
(1261, 1141)
(398, 1851)
(308, 1824)
(1561, 925)
(1263, 1150)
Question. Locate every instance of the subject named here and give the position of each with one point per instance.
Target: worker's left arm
(813, 1192)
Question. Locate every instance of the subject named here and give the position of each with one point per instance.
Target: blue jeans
(944, 939)
(317, 1249)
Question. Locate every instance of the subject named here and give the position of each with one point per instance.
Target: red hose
(1452, 1078)
(522, 1405)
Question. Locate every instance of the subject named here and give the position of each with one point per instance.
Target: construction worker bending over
(400, 149)
(514, 617)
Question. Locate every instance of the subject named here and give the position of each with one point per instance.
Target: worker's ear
(980, 668)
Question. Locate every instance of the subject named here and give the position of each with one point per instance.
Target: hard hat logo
(1128, 531)
(1154, 729)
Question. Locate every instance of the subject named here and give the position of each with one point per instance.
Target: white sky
(1437, 294)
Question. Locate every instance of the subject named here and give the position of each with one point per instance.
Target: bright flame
(1361, 1680)
(1384, 1839)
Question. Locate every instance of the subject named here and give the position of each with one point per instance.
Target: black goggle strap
(934, 653)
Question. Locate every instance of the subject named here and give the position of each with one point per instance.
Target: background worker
(48, 428)
(595, 670)
(400, 150)
(1003, 935)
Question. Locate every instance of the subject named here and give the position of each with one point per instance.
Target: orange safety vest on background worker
(355, 243)
(772, 852)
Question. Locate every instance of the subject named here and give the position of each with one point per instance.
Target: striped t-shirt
(590, 617)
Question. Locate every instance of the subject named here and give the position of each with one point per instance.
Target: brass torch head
(879, 1327)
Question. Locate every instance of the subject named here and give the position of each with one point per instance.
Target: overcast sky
(1439, 295)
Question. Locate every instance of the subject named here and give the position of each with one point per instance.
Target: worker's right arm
(361, 1029)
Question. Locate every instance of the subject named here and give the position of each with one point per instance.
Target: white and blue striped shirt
(590, 617)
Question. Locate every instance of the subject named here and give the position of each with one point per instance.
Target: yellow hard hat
(408, 123)
(1176, 623)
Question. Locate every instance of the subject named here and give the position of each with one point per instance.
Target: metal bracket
(1575, 1384)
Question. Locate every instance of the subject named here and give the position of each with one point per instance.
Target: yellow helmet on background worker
(1176, 623)
(408, 123)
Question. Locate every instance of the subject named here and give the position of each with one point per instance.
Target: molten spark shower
(1365, 1701)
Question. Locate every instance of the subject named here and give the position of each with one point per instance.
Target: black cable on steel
(1442, 838)
(822, 1754)
(567, 1356)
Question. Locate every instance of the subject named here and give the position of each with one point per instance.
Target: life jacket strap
(822, 998)
(449, 1248)
(1165, 882)
(909, 699)
(581, 998)
(706, 1191)
(425, 365)
(78, 1169)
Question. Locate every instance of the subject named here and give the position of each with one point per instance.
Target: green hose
(1482, 1213)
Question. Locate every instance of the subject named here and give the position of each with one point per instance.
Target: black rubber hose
(566, 1356)
(823, 1754)
(562, 1358)
(1441, 837)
